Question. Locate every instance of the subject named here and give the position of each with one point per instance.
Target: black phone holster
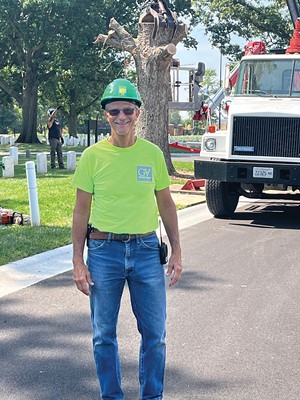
(88, 231)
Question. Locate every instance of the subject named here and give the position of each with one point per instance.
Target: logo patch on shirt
(144, 173)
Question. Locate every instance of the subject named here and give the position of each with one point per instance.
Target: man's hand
(174, 268)
(167, 211)
(52, 116)
(82, 278)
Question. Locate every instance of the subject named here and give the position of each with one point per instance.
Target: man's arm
(51, 119)
(167, 211)
(81, 215)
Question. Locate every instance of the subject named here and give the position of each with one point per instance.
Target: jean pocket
(95, 244)
(149, 242)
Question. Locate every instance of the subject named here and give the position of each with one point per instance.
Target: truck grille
(268, 137)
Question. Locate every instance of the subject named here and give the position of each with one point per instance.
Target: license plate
(261, 172)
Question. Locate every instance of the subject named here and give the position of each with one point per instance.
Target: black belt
(123, 237)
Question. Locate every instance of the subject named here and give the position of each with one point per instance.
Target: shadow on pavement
(46, 349)
(280, 215)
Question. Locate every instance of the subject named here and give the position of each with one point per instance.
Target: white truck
(258, 156)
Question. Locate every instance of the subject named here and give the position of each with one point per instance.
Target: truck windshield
(269, 78)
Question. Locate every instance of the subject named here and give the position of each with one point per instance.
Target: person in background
(55, 138)
(126, 179)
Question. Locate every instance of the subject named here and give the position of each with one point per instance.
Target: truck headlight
(210, 144)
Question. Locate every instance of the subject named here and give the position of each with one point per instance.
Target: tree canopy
(267, 20)
(26, 29)
(81, 70)
(48, 53)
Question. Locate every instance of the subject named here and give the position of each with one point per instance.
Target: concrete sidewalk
(28, 271)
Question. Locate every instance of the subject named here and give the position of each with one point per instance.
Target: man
(55, 138)
(127, 179)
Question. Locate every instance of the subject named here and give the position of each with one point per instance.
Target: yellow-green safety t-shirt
(123, 182)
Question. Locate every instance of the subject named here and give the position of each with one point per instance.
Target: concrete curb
(186, 198)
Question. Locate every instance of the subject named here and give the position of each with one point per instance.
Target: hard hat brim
(106, 101)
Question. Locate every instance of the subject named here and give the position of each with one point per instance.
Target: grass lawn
(56, 202)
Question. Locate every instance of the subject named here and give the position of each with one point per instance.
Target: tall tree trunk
(72, 120)
(153, 72)
(29, 109)
(153, 122)
(153, 56)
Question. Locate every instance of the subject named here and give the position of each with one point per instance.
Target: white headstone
(41, 163)
(9, 167)
(14, 153)
(71, 160)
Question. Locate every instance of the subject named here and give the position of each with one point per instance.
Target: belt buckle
(127, 237)
(123, 237)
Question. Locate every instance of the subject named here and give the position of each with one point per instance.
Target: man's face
(122, 116)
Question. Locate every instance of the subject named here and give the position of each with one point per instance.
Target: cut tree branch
(117, 37)
(163, 52)
(180, 33)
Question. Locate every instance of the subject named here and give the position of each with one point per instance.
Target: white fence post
(33, 193)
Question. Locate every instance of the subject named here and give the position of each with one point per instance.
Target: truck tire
(221, 198)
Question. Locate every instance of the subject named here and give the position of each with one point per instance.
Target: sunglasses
(116, 111)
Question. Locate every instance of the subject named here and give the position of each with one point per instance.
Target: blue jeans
(111, 263)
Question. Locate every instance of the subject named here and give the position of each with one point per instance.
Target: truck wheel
(221, 198)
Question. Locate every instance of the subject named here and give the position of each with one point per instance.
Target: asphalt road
(233, 319)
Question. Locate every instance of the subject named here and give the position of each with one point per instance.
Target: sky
(205, 52)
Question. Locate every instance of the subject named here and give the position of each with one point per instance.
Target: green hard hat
(118, 90)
